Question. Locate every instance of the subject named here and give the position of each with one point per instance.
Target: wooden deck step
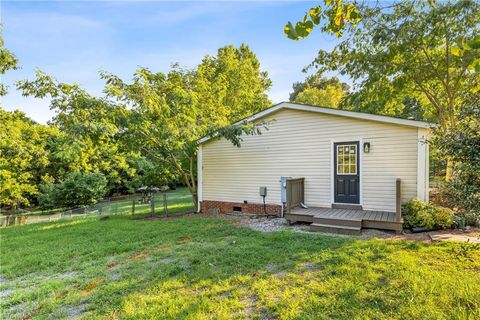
(292, 218)
(345, 222)
(335, 229)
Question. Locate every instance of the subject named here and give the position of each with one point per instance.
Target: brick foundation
(210, 206)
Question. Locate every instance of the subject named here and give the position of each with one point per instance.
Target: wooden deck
(347, 221)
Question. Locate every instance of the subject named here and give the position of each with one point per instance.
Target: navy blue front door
(347, 172)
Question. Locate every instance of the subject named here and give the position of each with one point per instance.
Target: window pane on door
(347, 159)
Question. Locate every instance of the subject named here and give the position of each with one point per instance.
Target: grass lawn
(198, 267)
(179, 200)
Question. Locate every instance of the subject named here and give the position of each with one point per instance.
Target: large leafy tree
(24, 157)
(426, 51)
(91, 131)
(231, 84)
(154, 122)
(319, 91)
(169, 112)
(462, 144)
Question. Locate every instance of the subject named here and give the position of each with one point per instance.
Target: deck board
(377, 219)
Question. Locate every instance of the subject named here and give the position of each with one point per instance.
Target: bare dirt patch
(140, 255)
(4, 293)
(75, 312)
(94, 283)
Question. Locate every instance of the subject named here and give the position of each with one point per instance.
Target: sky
(73, 41)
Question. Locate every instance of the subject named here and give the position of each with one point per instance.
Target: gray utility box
(283, 188)
(263, 191)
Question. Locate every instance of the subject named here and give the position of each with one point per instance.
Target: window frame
(349, 164)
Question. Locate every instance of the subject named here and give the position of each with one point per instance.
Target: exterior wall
(300, 144)
(208, 206)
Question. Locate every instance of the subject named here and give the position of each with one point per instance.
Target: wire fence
(155, 205)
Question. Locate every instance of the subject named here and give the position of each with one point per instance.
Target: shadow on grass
(197, 267)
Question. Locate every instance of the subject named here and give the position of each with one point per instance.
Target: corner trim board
(199, 176)
(422, 165)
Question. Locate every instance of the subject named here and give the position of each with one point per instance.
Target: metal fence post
(133, 206)
(152, 204)
(165, 209)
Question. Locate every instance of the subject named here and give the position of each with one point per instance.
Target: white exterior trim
(332, 166)
(427, 169)
(335, 112)
(422, 165)
(199, 176)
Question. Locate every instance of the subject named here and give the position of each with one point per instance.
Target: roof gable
(330, 111)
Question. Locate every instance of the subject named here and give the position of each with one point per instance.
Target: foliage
(78, 189)
(46, 198)
(334, 17)
(8, 61)
(319, 91)
(170, 111)
(462, 144)
(149, 174)
(147, 134)
(230, 86)
(409, 49)
(92, 131)
(24, 157)
(418, 214)
(199, 267)
(467, 251)
(467, 218)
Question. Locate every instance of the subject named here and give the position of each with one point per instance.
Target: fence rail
(158, 204)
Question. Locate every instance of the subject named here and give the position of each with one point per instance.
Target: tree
(158, 117)
(462, 144)
(78, 189)
(150, 174)
(91, 127)
(429, 52)
(7, 62)
(170, 111)
(231, 84)
(319, 91)
(24, 157)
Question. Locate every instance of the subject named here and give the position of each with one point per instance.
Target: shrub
(418, 214)
(461, 144)
(78, 189)
(46, 196)
(463, 219)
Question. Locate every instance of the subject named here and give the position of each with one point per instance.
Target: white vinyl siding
(299, 144)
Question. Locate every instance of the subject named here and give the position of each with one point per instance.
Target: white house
(346, 158)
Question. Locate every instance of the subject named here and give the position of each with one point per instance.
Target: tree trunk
(449, 170)
(195, 201)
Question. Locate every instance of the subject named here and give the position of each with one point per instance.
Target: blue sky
(73, 41)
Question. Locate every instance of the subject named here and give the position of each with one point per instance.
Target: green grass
(179, 200)
(197, 267)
